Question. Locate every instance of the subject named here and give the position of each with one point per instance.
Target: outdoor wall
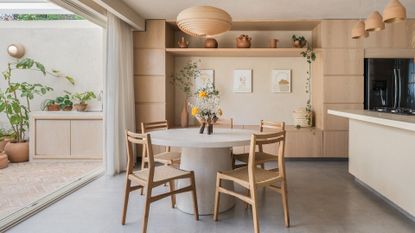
(75, 48)
(250, 108)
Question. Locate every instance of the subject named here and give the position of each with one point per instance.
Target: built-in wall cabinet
(337, 73)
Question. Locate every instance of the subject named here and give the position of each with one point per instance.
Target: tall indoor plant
(15, 104)
(184, 80)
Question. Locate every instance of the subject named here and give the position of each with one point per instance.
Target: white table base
(205, 162)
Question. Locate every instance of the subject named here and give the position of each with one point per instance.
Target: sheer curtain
(119, 98)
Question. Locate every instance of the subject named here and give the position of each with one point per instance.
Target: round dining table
(205, 155)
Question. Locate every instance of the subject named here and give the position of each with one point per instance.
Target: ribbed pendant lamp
(374, 22)
(359, 31)
(394, 12)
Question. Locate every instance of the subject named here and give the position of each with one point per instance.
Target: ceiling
(269, 9)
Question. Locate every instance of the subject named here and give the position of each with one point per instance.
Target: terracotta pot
(184, 116)
(17, 151)
(80, 107)
(183, 43)
(274, 43)
(54, 107)
(211, 43)
(299, 44)
(243, 41)
(3, 144)
(4, 162)
(67, 108)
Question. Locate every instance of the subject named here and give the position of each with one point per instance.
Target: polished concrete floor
(323, 197)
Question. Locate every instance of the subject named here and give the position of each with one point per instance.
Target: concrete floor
(323, 197)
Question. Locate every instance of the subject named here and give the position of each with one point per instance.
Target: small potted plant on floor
(298, 41)
(82, 99)
(64, 102)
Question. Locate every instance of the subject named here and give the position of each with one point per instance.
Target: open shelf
(236, 52)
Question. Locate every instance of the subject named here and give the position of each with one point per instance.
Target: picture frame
(242, 81)
(281, 81)
(205, 76)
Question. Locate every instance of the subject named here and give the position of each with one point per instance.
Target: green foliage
(310, 56)
(64, 101)
(6, 133)
(299, 38)
(83, 97)
(184, 79)
(15, 99)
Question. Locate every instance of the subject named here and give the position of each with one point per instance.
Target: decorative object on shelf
(243, 41)
(310, 56)
(298, 41)
(50, 105)
(64, 102)
(205, 76)
(303, 117)
(204, 21)
(184, 80)
(16, 50)
(206, 108)
(4, 161)
(394, 12)
(359, 31)
(82, 99)
(211, 43)
(183, 43)
(15, 104)
(242, 81)
(374, 22)
(281, 81)
(274, 43)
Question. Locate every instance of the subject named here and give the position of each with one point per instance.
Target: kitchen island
(382, 154)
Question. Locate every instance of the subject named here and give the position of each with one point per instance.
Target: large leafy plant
(15, 99)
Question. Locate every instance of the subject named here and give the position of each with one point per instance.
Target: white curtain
(119, 98)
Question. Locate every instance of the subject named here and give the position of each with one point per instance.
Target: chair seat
(260, 157)
(261, 175)
(161, 173)
(167, 157)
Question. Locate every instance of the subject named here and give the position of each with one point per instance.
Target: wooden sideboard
(66, 135)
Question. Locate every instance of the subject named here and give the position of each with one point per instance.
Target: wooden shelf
(236, 52)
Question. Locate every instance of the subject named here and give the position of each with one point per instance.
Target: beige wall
(250, 108)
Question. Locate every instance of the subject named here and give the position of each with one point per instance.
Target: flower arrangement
(206, 107)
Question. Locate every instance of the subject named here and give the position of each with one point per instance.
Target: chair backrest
(268, 138)
(224, 123)
(147, 127)
(274, 126)
(145, 141)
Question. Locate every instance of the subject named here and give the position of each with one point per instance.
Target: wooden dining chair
(261, 157)
(252, 177)
(167, 157)
(224, 123)
(152, 177)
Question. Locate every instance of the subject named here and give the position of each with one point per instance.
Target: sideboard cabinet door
(86, 138)
(52, 138)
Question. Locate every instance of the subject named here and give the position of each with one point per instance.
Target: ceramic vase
(184, 116)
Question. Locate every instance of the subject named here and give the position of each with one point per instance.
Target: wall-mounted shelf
(236, 52)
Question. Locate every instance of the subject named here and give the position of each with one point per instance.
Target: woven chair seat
(260, 157)
(261, 175)
(161, 173)
(167, 157)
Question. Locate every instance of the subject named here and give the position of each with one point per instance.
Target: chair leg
(143, 162)
(217, 199)
(195, 206)
(284, 197)
(126, 197)
(173, 197)
(248, 193)
(255, 211)
(146, 210)
(263, 165)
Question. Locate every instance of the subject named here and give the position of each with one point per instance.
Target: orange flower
(202, 94)
(195, 111)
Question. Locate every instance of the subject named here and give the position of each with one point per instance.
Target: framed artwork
(242, 81)
(205, 77)
(281, 81)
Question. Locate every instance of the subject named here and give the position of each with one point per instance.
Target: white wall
(75, 48)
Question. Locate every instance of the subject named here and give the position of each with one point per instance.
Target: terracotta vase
(184, 116)
(54, 107)
(80, 107)
(211, 43)
(3, 144)
(4, 162)
(183, 43)
(67, 108)
(243, 41)
(274, 43)
(17, 151)
(299, 44)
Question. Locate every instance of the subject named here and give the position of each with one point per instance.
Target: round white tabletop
(205, 155)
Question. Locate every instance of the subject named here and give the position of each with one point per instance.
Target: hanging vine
(310, 56)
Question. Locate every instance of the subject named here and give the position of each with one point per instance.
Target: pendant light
(394, 12)
(358, 30)
(374, 22)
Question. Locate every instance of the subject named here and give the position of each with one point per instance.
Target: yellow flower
(195, 111)
(202, 94)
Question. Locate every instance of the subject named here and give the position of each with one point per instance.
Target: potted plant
(184, 80)
(81, 99)
(15, 104)
(50, 105)
(298, 41)
(5, 137)
(64, 102)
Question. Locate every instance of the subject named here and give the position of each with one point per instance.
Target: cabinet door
(86, 138)
(53, 137)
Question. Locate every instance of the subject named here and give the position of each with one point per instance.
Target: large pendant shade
(374, 22)
(204, 21)
(359, 31)
(394, 12)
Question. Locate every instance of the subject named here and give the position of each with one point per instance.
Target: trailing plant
(298, 38)
(184, 79)
(82, 97)
(15, 99)
(310, 56)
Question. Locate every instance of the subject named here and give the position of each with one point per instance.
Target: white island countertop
(406, 122)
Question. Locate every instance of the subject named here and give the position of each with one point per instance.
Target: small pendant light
(374, 22)
(358, 30)
(394, 12)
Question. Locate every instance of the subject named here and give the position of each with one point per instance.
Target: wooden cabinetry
(66, 135)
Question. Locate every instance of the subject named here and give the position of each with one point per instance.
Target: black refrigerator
(390, 85)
